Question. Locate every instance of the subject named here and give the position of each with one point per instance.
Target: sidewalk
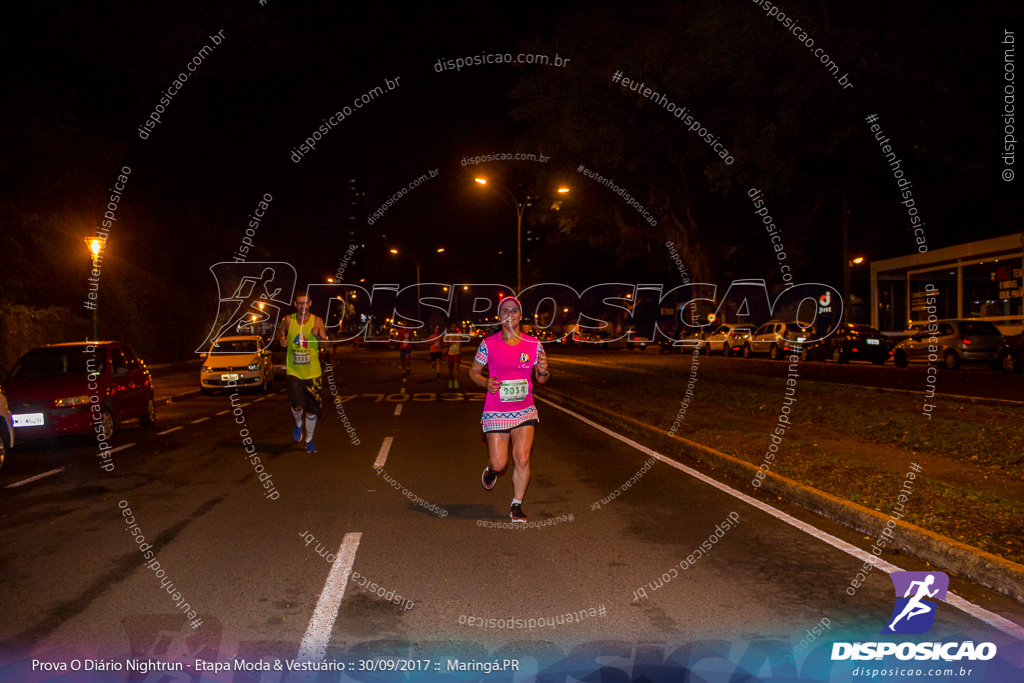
(175, 381)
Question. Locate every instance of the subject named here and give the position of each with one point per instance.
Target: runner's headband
(510, 298)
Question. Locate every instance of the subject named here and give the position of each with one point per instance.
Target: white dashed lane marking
(382, 455)
(35, 478)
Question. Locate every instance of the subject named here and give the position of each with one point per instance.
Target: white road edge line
(202, 419)
(382, 455)
(121, 448)
(979, 613)
(314, 643)
(32, 479)
(223, 412)
(398, 409)
(168, 431)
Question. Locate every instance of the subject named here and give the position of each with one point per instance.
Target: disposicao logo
(914, 613)
(917, 594)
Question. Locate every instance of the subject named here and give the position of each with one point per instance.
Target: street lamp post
(520, 208)
(95, 246)
(418, 261)
(847, 273)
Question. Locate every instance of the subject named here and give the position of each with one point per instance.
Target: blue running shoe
(297, 434)
(310, 446)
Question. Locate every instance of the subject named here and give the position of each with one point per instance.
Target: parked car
(237, 361)
(776, 338)
(6, 429)
(637, 340)
(956, 342)
(726, 339)
(1011, 353)
(850, 342)
(55, 390)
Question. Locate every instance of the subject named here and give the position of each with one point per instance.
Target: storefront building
(977, 280)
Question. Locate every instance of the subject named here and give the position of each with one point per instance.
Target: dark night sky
(80, 78)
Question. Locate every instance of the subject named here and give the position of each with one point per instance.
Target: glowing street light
(417, 261)
(95, 246)
(847, 274)
(520, 208)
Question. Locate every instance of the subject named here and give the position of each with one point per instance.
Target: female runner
(514, 361)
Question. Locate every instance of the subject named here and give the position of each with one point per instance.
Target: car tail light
(966, 342)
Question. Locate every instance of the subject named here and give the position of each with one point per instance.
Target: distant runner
(436, 351)
(454, 354)
(405, 349)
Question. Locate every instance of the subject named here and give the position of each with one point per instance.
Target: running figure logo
(251, 297)
(913, 614)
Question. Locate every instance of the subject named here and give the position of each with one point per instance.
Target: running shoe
(456, 384)
(310, 446)
(449, 384)
(489, 478)
(297, 434)
(517, 514)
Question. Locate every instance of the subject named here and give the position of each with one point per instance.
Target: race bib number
(514, 390)
(300, 358)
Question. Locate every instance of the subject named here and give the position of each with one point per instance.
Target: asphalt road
(437, 580)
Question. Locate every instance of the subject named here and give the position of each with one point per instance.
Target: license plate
(230, 377)
(29, 420)
(872, 342)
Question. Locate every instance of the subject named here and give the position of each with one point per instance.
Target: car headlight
(255, 366)
(72, 401)
(207, 368)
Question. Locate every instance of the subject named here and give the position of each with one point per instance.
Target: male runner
(299, 334)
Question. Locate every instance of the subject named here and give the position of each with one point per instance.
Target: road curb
(986, 569)
(177, 397)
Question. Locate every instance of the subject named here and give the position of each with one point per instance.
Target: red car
(65, 389)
